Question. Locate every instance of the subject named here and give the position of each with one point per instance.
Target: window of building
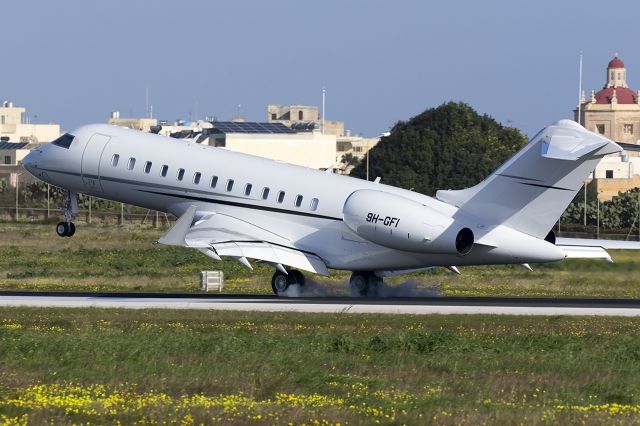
(7, 159)
(196, 178)
(213, 182)
(180, 174)
(628, 129)
(247, 189)
(265, 193)
(298, 201)
(147, 167)
(280, 197)
(314, 204)
(229, 185)
(114, 160)
(300, 115)
(131, 164)
(274, 116)
(609, 174)
(164, 171)
(600, 128)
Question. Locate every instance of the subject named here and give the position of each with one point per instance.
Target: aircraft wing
(587, 248)
(219, 235)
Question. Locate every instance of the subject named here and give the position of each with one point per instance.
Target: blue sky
(74, 61)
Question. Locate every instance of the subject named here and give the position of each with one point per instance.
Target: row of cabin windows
(164, 170)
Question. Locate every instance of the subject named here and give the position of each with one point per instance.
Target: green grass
(274, 368)
(125, 258)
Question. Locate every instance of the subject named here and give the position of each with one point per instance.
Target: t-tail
(532, 189)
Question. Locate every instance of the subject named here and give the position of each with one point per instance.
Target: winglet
(175, 236)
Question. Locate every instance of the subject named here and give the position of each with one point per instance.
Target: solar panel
(12, 145)
(251, 127)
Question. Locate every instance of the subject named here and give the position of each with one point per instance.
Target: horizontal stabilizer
(583, 252)
(605, 244)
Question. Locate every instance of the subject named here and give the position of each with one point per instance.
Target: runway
(344, 305)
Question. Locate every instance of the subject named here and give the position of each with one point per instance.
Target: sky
(74, 61)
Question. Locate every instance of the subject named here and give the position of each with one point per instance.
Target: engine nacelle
(400, 223)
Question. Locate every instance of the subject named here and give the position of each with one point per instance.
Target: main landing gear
(69, 208)
(280, 281)
(364, 283)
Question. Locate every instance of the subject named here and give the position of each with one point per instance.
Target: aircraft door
(91, 159)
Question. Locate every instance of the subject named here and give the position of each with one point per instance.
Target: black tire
(279, 283)
(72, 229)
(359, 283)
(62, 229)
(296, 277)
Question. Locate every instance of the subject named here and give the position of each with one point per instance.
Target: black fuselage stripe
(190, 197)
(243, 205)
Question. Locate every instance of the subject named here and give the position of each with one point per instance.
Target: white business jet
(295, 218)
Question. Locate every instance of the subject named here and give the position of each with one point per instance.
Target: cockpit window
(64, 140)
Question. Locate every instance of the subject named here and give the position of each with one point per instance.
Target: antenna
(580, 92)
(324, 93)
(146, 101)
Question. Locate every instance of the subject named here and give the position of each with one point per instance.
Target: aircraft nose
(30, 161)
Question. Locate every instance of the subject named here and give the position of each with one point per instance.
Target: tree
(448, 147)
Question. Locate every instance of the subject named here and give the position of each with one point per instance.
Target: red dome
(616, 63)
(624, 95)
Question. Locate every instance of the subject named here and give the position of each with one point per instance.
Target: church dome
(624, 95)
(616, 63)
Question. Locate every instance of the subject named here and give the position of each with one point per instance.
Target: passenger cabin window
(298, 201)
(229, 185)
(214, 181)
(280, 197)
(314, 204)
(247, 189)
(196, 178)
(147, 167)
(64, 141)
(180, 174)
(114, 160)
(164, 170)
(131, 164)
(265, 193)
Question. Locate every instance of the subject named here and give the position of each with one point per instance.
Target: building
(276, 141)
(614, 112)
(13, 127)
(300, 116)
(11, 153)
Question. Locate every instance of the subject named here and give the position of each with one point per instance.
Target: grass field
(83, 366)
(113, 258)
(103, 366)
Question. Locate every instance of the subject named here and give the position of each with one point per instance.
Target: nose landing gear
(69, 209)
(280, 281)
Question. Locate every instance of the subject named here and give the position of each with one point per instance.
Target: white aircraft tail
(531, 190)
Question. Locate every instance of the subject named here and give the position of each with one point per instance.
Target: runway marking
(447, 306)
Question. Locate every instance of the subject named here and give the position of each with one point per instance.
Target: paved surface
(413, 305)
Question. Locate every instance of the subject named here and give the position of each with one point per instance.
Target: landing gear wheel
(64, 229)
(364, 283)
(359, 282)
(279, 282)
(296, 277)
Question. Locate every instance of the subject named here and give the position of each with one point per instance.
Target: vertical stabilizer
(531, 190)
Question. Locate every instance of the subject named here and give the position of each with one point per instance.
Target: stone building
(614, 111)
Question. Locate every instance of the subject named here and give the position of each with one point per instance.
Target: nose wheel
(69, 209)
(64, 229)
(280, 282)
